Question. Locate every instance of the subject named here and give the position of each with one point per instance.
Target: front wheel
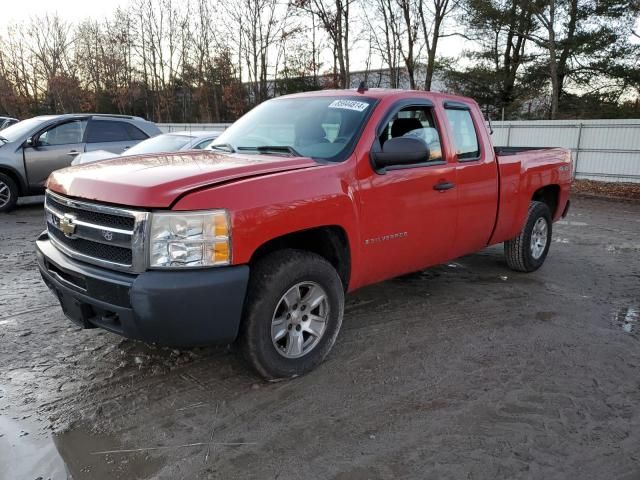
(528, 250)
(293, 313)
(8, 193)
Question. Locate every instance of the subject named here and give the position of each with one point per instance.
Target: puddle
(27, 452)
(93, 456)
(627, 318)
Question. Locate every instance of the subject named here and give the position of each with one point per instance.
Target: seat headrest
(403, 125)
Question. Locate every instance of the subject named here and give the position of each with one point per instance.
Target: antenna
(363, 87)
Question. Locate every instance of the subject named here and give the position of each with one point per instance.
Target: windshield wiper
(274, 149)
(2, 139)
(225, 147)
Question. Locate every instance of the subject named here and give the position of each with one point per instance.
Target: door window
(465, 138)
(201, 145)
(104, 131)
(63, 134)
(418, 122)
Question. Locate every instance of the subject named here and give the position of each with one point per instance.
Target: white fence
(176, 127)
(604, 150)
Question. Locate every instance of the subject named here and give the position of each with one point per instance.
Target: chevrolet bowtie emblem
(66, 224)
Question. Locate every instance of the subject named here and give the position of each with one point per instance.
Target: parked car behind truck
(304, 199)
(167, 142)
(30, 150)
(7, 122)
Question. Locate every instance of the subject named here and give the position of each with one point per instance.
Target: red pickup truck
(305, 198)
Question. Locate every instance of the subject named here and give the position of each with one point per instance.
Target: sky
(71, 10)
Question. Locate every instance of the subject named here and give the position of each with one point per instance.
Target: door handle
(73, 153)
(443, 186)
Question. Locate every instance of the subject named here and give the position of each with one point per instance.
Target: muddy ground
(466, 370)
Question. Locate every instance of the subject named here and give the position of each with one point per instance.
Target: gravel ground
(465, 370)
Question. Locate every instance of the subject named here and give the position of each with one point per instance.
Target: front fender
(271, 206)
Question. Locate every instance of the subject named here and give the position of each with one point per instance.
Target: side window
(64, 134)
(101, 131)
(464, 134)
(201, 145)
(415, 121)
(135, 133)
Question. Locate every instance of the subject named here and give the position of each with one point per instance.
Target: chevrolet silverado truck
(304, 199)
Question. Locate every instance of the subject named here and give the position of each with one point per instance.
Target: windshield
(19, 130)
(161, 143)
(318, 127)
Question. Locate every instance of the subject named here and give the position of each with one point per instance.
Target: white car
(167, 142)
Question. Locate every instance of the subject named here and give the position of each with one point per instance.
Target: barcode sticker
(349, 105)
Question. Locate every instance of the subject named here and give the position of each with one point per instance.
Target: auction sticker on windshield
(349, 105)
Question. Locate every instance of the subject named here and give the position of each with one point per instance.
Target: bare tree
(432, 14)
(334, 16)
(384, 38)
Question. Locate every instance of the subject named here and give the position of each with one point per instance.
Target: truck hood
(155, 181)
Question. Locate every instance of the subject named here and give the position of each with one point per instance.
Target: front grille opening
(101, 251)
(104, 219)
(72, 279)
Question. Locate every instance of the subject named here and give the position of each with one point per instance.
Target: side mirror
(29, 142)
(401, 151)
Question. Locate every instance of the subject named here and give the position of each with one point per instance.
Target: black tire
(7, 184)
(518, 251)
(272, 277)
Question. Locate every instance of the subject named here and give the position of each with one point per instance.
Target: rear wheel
(529, 249)
(8, 193)
(293, 313)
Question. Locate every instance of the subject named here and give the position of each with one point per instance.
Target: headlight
(189, 239)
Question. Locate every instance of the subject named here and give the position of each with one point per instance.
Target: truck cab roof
(383, 93)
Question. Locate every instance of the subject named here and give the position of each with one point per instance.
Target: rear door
(409, 220)
(477, 177)
(114, 136)
(53, 149)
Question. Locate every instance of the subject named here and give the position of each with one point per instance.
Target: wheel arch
(330, 242)
(549, 195)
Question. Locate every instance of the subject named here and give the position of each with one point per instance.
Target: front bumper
(182, 309)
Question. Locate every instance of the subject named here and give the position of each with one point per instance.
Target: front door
(408, 214)
(53, 149)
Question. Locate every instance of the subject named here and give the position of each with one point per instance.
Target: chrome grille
(108, 236)
(118, 255)
(103, 219)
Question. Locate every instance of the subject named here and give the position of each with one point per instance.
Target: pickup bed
(304, 199)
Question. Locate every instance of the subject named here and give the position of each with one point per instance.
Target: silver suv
(30, 150)
(7, 122)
